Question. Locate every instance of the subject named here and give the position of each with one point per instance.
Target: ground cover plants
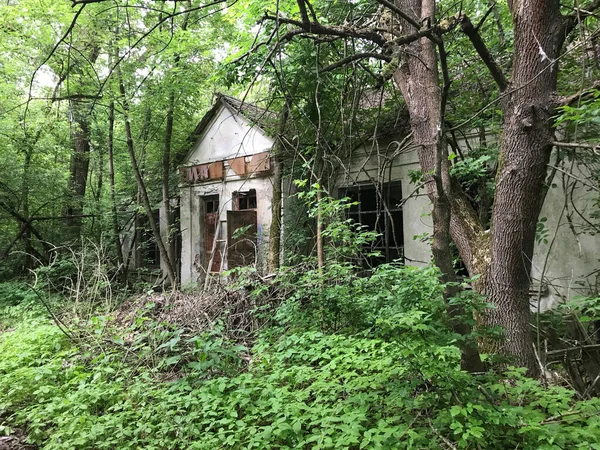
(344, 362)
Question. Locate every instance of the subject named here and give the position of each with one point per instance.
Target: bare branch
(594, 147)
(581, 95)
(342, 31)
(356, 57)
(570, 21)
(483, 52)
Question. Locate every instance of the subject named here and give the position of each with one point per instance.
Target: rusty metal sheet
(238, 165)
(215, 170)
(261, 162)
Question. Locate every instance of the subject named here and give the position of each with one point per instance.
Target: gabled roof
(264, 122)
(257, 116)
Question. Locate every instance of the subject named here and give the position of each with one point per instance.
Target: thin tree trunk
(166, 168)
(276, 202)
(320, 251)
(28, 247)
(111, 180)
(141, 185)
(166, 159)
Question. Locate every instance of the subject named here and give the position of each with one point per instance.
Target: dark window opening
(212, 247)
(379, 209)
(212, 204)
(245, 200)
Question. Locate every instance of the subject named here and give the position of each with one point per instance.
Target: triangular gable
(224, 134)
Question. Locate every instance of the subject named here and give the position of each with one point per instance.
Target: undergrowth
(346, 362)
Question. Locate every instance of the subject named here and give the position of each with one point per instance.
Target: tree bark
(276, 202)
(111, 180)
(418, 80)
(166, 170)
(80, 156)
(524, 155)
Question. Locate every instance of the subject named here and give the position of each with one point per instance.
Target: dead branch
(581, 95)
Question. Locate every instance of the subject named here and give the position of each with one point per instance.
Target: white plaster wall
(569, 263)
(228, 136)
(192, 220)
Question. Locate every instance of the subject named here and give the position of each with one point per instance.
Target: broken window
(378, 207)
(245, 200)
(212, 203)
(241, 238)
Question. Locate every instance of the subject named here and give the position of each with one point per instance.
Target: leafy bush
(382, 370)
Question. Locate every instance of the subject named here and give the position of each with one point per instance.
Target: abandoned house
(225, 201)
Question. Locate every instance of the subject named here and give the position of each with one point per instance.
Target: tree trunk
(111, 180)
(166, 159)
(276, 202)
(418, 80)
(524, 155)
(141, 185)
(80, 156)
(28, 245)
(79, 167)
(166, 169)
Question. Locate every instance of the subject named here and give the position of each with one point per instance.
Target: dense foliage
(383, 371)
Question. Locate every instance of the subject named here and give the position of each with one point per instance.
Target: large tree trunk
(502, 256)
(79, 167)
(418, 79)
(524, 155)
(80, 157)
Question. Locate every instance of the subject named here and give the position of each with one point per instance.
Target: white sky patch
(220, 53)
(44, 78)
(142, 72)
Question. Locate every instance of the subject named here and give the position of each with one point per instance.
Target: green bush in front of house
(389, 380)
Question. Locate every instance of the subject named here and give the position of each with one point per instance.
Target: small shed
(226, 191)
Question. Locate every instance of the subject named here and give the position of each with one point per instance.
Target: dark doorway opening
(212, 249)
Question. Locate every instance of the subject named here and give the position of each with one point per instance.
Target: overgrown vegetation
(102, 348)
(345, 362)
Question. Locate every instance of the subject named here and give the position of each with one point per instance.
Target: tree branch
(467, 27)
(303, 12)
(356, 57)
(401, 13)
(571, 99)
(342, 31)
(570, 21)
